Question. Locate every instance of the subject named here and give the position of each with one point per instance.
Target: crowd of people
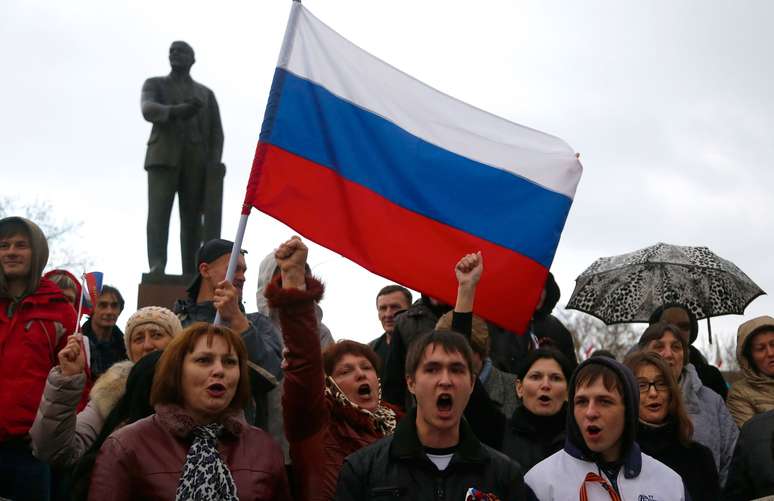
(441, 405)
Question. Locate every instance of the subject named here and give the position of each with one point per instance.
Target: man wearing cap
(211, 293)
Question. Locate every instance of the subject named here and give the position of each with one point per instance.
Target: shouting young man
(600, 459)
(433, 453)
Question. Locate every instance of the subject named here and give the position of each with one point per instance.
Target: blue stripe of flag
(306, 119)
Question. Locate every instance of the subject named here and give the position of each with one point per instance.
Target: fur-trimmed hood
(110, 387)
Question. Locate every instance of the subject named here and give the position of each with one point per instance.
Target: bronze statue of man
(184, 150)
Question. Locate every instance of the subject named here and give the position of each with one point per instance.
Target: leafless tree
(591, 334)
(62, 235)
(723, 353)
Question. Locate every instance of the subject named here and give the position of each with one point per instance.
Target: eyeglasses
(660, 386)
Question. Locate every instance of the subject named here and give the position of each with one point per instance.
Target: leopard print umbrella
(629, 287)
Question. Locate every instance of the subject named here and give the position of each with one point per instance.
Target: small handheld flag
(93, 287)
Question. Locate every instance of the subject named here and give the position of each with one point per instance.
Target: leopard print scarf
(382, 419)
(205, 476)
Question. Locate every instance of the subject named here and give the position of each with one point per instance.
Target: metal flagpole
(80, 304)
(232, 261)
(287, 46)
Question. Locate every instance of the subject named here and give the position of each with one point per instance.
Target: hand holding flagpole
(232, 261)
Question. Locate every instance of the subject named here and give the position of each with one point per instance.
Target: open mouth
(364, 390)
(445, 402)
(653, 407)
(216, 390)
(544, 399)
(593, 431)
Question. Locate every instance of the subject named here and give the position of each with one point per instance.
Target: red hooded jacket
(32, 331)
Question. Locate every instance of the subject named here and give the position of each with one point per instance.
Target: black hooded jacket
(710, 376)
(508, 349)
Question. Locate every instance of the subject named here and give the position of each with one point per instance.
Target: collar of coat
(180, 423)
(116, 335)
(406, 445)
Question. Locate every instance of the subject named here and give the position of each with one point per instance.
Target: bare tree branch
(62, 236)
(592, 334)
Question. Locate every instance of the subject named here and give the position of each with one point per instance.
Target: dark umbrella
(627, 288)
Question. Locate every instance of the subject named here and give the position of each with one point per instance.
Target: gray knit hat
(157, 315)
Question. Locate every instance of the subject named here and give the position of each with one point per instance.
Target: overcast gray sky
(669, 104)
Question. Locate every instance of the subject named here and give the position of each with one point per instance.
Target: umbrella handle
(709, 330)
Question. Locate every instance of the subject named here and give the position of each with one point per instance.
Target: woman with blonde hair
(665, 429)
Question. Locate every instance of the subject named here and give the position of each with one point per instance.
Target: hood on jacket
(55, 273)
(630, 451)
(553, 293)
(743, 337)
(39, 246)
(110, 387)
(265, 273)
(656, 317)
(691, 385)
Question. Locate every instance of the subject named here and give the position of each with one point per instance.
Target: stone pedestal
(162, 290)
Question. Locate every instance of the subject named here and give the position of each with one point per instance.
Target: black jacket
(104, 353)
(529, 439)
(382, 349)
(694, 463)
(397, 467)
(710, 376)
(509, 349)
(752, 470)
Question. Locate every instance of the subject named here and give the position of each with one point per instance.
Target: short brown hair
(167, 381)
(334, 352)
(676, 405)
(13, 226)
(450, 341)
(389, 289)
(656, 331)
(590, 373)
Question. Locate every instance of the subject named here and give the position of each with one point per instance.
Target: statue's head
(181, 56)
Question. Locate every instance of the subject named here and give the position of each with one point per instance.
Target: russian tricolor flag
(403, 179)
(92, 291)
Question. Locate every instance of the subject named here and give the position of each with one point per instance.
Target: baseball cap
(208, 253)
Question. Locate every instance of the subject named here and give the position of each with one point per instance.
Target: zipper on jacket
(394, 492)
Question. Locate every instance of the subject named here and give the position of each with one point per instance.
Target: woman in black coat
(536, 429)
(752, 470)
(665, 429)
